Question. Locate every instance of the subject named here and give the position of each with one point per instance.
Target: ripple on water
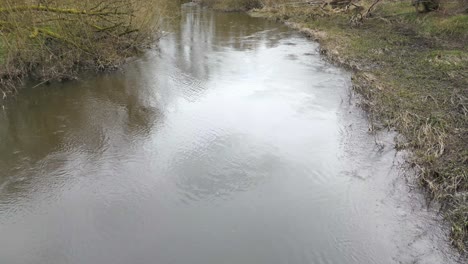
(229, 146)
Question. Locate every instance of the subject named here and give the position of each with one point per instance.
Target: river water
(235, 142)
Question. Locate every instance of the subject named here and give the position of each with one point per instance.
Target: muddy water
(233, 143)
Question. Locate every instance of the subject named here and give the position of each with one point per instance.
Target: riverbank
(50, 41)
(231, 5)
(411, 72)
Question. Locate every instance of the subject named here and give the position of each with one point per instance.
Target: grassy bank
(411, 70)
(51, 40)
(231, 5)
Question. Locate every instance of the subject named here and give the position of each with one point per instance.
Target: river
(233, 142)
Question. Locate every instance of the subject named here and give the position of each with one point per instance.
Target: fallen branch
(369, 10)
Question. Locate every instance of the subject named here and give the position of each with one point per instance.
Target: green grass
(431, 24)
(2, 52)
(232, 5)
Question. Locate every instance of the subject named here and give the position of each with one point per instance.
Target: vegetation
(232, 5)
(53, 39)
(411, 69)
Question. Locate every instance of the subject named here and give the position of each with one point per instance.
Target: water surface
(235, 142)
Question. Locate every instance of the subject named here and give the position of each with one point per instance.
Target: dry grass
(53, 39)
